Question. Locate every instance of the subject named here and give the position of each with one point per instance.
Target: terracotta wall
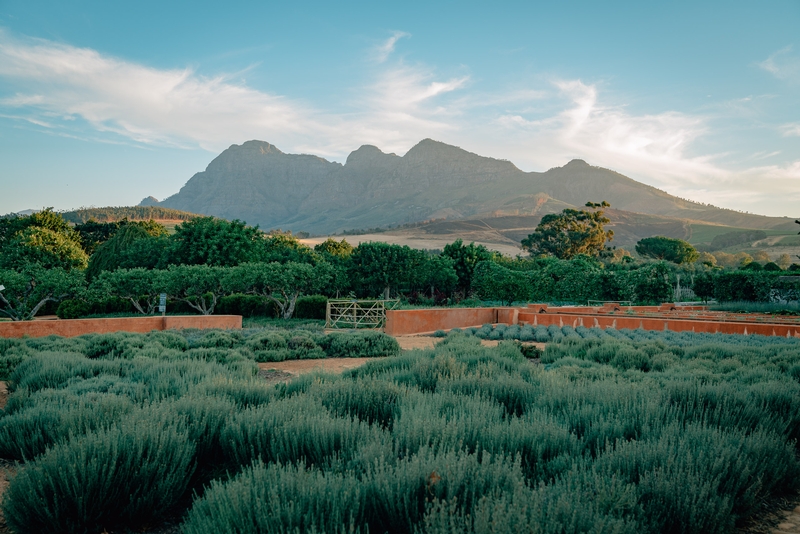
(402, 322)
(660, 323)
(77, 327)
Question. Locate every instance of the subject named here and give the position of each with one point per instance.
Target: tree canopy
(281, 283)
(216, 242)
(666, 248)
(571, 232)
(44, 239)
(28, 290)
(465, 258)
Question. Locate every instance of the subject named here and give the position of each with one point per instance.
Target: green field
(605, 431)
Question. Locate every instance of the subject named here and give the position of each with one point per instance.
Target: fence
(358, 313)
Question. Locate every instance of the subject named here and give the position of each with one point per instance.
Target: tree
(93, 233)
(43, 239)
(281, 283)
(495, 282)
(110, 255)
(331, 247)
(381, 266)
(283, 247)
(199, 286)
(761, 256)
(665, 248)
(652, 283)
(570, 233)
(140, 286)
(26, 292)
(465, 258)
(703, 286)
(784, 261)
(216, 242)
(438, 273)
(44, 247)
(707, 259)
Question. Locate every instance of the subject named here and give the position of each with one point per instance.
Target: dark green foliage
(246, 306)
(359, 345)
(128, 475)
(731, 239)
(28, 291)
(280, 499)
(666, 248)
(494, 282)
(215, 242)
(570, 233)
(465, 258)
(43, 239)
(73, 309)
(311, 307)
(26, 433)
(379, 267)
(109, 255)
(134, 213)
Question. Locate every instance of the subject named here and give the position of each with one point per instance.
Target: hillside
(132, 213)
(258, 183)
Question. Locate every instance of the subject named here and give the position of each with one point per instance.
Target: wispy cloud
(67, 90)
(783, 65)
(386, 48)
(790, 130)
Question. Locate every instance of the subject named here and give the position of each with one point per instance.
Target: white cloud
(790, 130)
(647, 145)
(783, 65)
(62, 89)
(386, 48)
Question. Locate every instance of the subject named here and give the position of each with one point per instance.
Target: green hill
(132, 213)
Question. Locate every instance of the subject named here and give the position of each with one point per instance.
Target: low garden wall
(403, 322)
(77, 327)
(660, 323)
(664, 317)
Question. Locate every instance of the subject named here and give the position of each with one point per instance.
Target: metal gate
(347, 313)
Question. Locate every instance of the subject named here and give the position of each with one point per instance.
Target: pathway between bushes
(286, 370)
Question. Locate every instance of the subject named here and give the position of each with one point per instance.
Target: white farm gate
(348, 313)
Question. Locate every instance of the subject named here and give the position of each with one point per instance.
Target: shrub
(72, 309)
(127, 475)
(360, 345)
(279, 499)
(311, 307)
(28, 432)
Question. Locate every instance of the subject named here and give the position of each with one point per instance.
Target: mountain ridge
(257, 182)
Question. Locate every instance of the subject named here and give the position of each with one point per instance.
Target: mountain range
(434, 186)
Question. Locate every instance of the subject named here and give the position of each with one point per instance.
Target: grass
(613, 431)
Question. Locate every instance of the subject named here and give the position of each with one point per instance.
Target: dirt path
(789, 522)
(329, 365)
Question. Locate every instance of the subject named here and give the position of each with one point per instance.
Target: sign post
(162, 307)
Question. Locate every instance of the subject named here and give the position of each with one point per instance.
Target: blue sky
(104, 103)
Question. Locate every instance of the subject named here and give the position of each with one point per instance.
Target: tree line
(44, 260)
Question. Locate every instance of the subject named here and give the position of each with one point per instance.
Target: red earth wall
(660, 323)
(77, 327)
(403, 322)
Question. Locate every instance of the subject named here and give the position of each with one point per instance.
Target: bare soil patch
(328, 365)
(3, 395)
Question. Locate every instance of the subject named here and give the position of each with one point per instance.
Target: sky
(105, 103)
